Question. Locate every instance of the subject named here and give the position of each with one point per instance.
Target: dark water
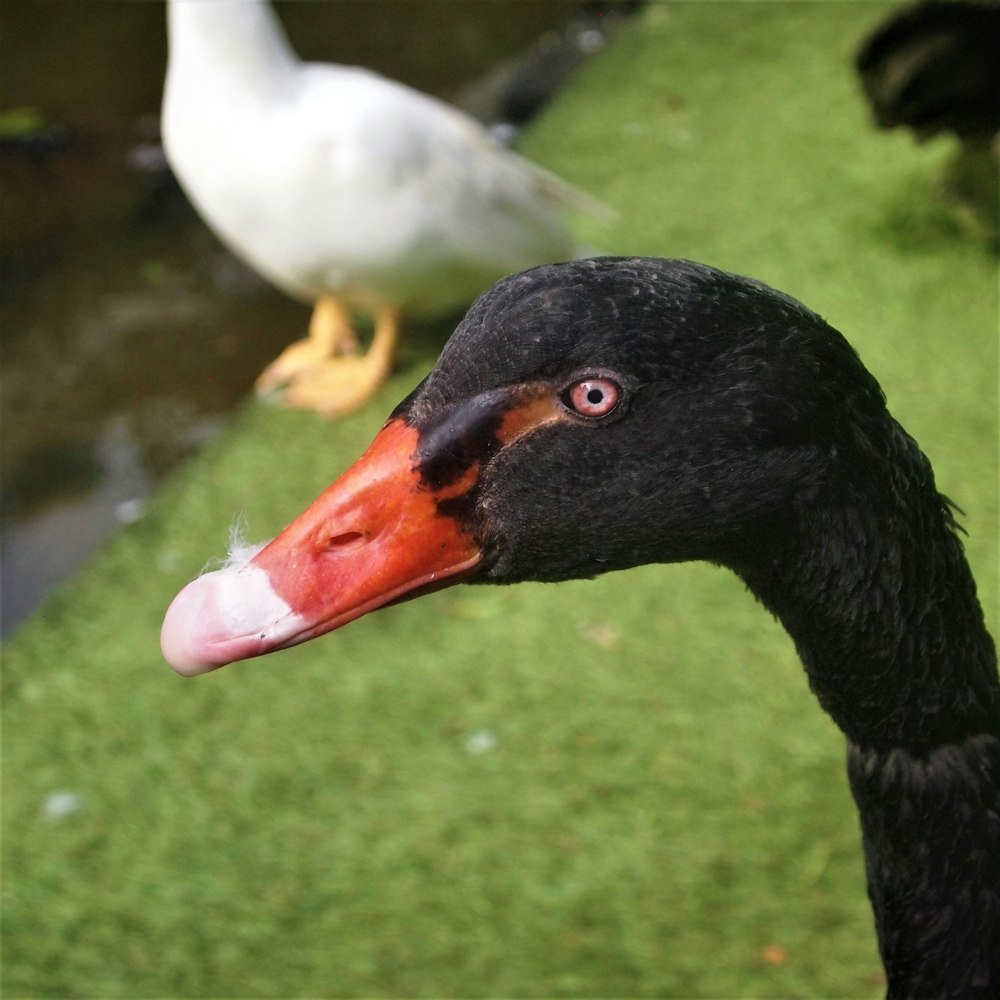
(128, 332)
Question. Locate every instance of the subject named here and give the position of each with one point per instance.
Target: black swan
(601, 414)
(934, 67)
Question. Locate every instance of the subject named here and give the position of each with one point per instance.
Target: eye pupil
(592, 397)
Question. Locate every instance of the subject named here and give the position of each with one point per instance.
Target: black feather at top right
(935, 67)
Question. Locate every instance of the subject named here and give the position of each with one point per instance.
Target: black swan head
(601, 414)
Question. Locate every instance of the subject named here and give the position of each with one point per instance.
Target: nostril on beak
(344, 541)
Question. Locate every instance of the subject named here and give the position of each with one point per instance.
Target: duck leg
(336, 386)
(331, 333)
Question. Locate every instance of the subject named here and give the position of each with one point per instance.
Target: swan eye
(593, 397)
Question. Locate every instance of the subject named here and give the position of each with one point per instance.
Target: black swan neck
(874, 588)
(871, 581)
(930, 826)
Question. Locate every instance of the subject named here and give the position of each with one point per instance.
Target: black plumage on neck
(871, 581)
(869, 577)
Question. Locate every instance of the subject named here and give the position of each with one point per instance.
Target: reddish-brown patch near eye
(461, 486)
(537, 407)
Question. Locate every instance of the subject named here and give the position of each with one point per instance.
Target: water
(128, 332)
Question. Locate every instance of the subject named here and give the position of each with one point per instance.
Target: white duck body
(332, 180)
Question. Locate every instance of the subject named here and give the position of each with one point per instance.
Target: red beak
(376, 535)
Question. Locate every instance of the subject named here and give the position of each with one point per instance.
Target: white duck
(345, 189)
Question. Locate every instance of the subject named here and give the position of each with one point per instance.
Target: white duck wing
(412, 182)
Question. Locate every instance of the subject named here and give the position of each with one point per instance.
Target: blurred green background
(620, 787)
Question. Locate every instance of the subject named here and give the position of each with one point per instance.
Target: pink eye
(593, 397)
